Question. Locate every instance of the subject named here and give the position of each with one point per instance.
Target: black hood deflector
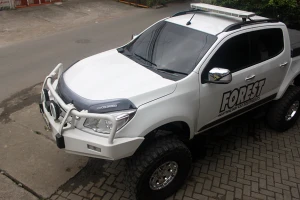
(92, 106)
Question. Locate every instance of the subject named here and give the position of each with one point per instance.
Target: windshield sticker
(240, 97)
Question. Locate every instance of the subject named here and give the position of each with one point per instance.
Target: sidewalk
(33, 22)
(28, 155)
(10, 191)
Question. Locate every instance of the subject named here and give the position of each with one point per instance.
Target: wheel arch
(179, 129)
(297, 80)
(290, 78)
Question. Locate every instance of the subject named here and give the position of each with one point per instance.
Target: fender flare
(169, 121)
(287, 81)
(292, 73)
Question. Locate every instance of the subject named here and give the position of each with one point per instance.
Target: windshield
(170, 48)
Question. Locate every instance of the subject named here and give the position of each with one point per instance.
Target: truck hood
(111, 75)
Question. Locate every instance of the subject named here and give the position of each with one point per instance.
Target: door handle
(250, 78)
(283, 65)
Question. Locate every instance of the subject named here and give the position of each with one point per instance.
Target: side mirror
(219, 76)
(134, 36)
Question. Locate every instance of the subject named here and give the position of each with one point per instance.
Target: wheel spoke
(292, 111)
(163, 175)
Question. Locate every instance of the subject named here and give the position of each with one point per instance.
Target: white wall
(6, 4)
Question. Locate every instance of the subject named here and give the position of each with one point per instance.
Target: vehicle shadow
(228, 134)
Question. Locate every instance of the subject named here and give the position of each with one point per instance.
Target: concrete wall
(6, 4)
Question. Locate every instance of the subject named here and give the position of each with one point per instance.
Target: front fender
(152, 115)
(181, 105)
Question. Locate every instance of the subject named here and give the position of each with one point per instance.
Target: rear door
(254, 57)
(268, 52)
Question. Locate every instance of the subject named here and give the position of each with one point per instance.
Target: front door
(253, 60)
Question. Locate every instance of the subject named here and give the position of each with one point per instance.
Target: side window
(266, 44)
(233, 55)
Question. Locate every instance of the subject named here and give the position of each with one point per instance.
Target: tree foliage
(287, 11)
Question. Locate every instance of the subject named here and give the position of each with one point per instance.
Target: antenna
(189, 22)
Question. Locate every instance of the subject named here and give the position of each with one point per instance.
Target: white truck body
(157, 100)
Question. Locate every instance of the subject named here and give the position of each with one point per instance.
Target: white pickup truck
(180, 77)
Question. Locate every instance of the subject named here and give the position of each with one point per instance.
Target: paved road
(25, 64)
(245, 165)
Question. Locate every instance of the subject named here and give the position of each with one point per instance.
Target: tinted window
(266, 44)
(170, 46)
(232, 55)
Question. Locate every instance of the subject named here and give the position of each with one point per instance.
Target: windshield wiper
(161, 69)
(171, 71)
(141, 57)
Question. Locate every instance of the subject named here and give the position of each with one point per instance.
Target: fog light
(55, 110)
(93, 148)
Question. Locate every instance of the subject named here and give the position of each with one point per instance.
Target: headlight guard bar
(71, 110)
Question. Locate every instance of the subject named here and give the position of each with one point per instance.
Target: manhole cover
(83, 41)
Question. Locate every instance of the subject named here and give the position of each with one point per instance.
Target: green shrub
(287, 11)
(151, 3)
(4, 8)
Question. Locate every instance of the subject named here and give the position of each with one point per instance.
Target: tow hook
(60, 141)
(41, 108)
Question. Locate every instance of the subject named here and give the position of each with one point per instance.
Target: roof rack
(248, 23)
(202, 7)
(222, 10)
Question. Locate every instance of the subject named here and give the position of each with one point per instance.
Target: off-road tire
(142, 164)
(278, 110)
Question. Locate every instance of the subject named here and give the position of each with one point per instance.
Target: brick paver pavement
(264, 165)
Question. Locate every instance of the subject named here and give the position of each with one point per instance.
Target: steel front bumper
(80, 142)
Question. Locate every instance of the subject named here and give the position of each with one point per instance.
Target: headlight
(105, 126)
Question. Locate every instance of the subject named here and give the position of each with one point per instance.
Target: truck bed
(295, 42)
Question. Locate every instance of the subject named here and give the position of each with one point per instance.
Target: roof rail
(248, 23)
